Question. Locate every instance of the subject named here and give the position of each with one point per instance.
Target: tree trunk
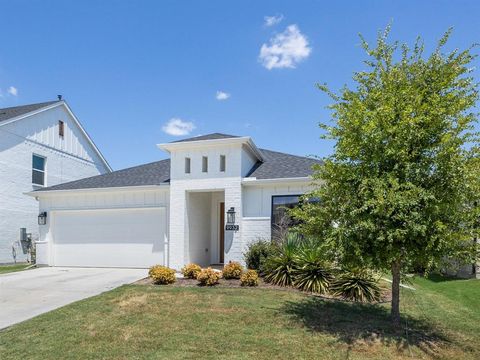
(395, 312)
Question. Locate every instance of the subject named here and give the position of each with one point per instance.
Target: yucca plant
(312, 273)
(357, 285)
(279, 267)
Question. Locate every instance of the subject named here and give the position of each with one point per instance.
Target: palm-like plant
(312, 272)
(279, 267)
(357, 285)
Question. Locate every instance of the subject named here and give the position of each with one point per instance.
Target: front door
(221, 231)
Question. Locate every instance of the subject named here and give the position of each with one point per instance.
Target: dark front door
(221, 231)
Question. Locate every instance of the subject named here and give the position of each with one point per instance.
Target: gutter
(255, 181)
(37, 193)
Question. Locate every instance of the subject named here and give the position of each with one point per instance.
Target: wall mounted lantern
(231, 215)
(42, 218)
(231, 220)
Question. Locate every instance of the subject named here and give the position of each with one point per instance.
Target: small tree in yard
(401, 188)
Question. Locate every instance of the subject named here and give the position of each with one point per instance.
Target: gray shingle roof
(155, 173)
(276, 165)
(214, 136)
(11, 112)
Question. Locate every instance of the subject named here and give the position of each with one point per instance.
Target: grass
(12, 268)
(150, 322)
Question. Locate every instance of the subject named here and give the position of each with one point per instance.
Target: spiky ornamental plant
(312, 272)
(357, 285)
(401, 186)
(280, 266)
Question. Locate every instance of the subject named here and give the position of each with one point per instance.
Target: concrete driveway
(29, 293)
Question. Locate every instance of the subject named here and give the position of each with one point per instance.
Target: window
(38, 170)
(61, 128)
(187, 165)
(204, 164)
(280, 220)
(222, 163)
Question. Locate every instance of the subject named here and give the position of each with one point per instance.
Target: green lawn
(148, 322)
(12, 268)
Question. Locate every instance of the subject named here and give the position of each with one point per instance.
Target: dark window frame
(271, 208)
(36, 170)
(61, 128)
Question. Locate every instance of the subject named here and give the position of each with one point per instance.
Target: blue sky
(127, 68)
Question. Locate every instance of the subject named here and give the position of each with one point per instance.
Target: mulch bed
(223, 283)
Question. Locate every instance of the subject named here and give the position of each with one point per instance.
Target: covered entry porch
(205, 227)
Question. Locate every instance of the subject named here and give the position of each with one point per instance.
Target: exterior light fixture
(231, 220)
(42, 218)
(231, 216)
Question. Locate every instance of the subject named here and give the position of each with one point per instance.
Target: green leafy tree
(401, 188)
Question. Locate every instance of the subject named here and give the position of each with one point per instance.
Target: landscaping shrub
(257, 253)
(249, 278)
(280, 266)
(232, 270)
(312, 273)
(357, 285)
(209, 277)
(191, 271)
(162, 275)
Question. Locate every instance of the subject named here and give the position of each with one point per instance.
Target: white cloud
(178, 127)
(12, 91)
(285, 50)
(272, 20)
(221, 95)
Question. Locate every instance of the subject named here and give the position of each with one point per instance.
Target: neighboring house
(40, 145)
(173, 211)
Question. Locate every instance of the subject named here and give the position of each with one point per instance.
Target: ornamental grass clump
(249, 278)
(191, 271)
(209, 277)
(357, 285)
(232, 270)
(162, 275)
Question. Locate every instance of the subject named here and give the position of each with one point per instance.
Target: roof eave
(38, 193)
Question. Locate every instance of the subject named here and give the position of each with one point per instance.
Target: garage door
(109, 238)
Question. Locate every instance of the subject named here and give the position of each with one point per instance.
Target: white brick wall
(68, 159)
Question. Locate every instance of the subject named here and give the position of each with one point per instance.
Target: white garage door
(109, 238)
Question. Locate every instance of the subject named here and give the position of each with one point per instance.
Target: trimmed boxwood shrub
(191, 271)
(249, 278)
(232, 270)
(209, 277)
(162, 275)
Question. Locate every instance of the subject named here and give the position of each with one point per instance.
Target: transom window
(204, 164)
(38, 170)
(223, 163)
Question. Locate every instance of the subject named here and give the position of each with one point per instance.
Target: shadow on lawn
(352, 323)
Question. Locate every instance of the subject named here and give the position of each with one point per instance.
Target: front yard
(169, 322)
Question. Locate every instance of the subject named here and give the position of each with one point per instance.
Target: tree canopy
(402, 186)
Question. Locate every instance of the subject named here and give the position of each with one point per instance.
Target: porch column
(178, 236)
(233, 239)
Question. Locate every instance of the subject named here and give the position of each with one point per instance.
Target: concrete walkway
(29, 293)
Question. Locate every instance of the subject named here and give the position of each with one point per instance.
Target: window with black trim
(280, 219)
(187, 165)
(38, 170)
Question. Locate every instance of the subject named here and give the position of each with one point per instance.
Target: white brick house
(40, 145)
(173, 211)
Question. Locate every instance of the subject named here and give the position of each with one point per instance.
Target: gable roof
(155, 173)
(14, 111)
(214, 136)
